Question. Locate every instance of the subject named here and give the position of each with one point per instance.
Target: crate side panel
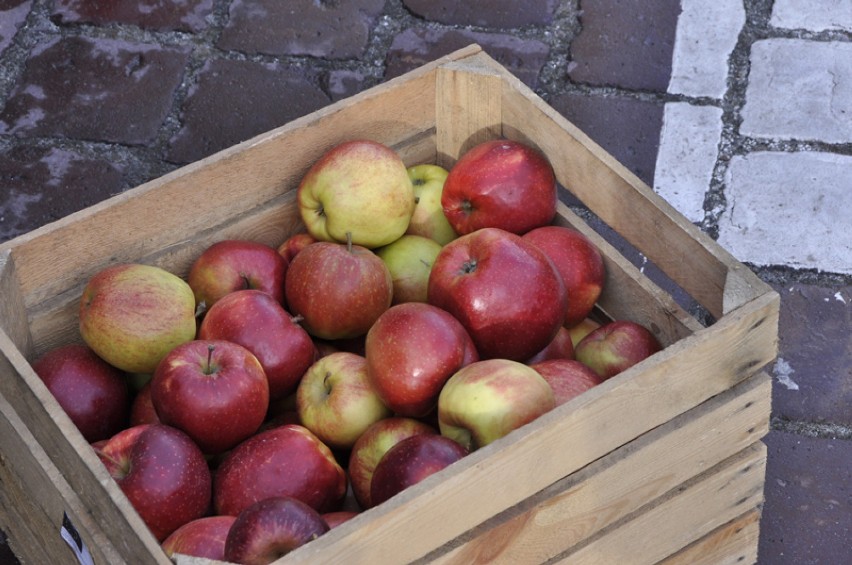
(734, 543)
(13, 313)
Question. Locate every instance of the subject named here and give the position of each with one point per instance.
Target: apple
(500, 184)
(616, 346)
(287, 460)
(142, 409)
(338, 289)
(428, 219)
(371, 447)
(235, 264)
(92, 392)
(270, 529)
(203, 383)
(295, 243)
(579, 263)
(582, 329)
(259, 323)
(504, 291)
(357, 190)
(409, 260)
(488, 399)
(561, 347)
(336, 401)
(163, 474)
(567, 378)
(334, 519)
(410, 461)
(411, 351)
(131, 315)
(203, 537)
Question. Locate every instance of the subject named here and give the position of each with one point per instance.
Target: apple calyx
(468, 267)
(466, 207)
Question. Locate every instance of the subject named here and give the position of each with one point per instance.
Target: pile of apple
(277, 392)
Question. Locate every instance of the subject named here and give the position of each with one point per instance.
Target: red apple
(163, 474)
(582, 329)
(259, 323)
(410, 461)
(204, 537)
(270, 529)
(411, 351)
(567, 378)
(339, 289)
(504, 291)
(561, 347)
(295, 243)
(500, 184)
(578, 262)
(334, 519)
(285, 461)
(92, 392)
(616, 346)
(142, 410)
(202, 383)
(372, 445)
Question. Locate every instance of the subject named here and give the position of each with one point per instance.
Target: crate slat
(734, 543)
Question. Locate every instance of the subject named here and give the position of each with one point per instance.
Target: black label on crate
(72, 537)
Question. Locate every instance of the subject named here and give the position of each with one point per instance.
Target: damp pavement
(738, 112)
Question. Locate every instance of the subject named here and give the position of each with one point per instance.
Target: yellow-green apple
(567, 377)
(409, 260)
(339, 290)
(500, 184)
(488, 399)
(203, 537)
(616, 346)
(270, 529)
(504, 291)
(336, 401)
(202, 383)
(131, 315)
(142, 410)
(371, 447)
(410, 461)
(287, 460)
(428, 219)
(295, 243)
(92, 392)
(258, 322)
(411, 351)
(235, 264)
(334, 519)
(358, 189)
(560, 347)
(579, 263)
(582, 329)
(163, 474)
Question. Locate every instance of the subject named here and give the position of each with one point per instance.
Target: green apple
(428, 219)
(409, 260)
(360, 189)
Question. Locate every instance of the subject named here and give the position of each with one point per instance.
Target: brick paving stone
(335, 30)
(789, 209)
(343, 83)
(95, 89)
(813, 15)
(188, 15)
(486, 13)
(625, 43)
(806, 516)
(415, 46)
(236, 100)
(813, 372)
(12, 16)
(799, 89)
(38, 184)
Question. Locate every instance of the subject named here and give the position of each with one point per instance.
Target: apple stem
(325, 382)
(209, 369)
(349, 241)
(246, 282)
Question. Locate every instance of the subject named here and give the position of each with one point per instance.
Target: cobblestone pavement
(739, 112)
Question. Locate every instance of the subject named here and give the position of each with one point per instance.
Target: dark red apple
(142, 410)
(295, 243)
(567, 378)
(334, 519)
(204, 537)
(561, 347)
(616, 346)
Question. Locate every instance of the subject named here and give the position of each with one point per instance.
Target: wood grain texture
(734, 543)
(13, 313)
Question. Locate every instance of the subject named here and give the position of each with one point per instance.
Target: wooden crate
(662, 463)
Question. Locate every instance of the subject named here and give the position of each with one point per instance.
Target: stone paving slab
(12, 16)
(188, 15)
(814, 15)
(485, 13)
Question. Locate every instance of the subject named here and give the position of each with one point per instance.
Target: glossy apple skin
(567, 378)
(203, 537)
(488, 399)
(163, 474)
(615, 347)
(500, 184)
(336, 401)
(411, 351)
(271, 528)
(92, 392)
(579, 263)
(256, 321)
(334, 519)
(428, 219)
(372, 445)
(202, 383)
(142, 410)
(504, 291)
(131, 315)
(560, 347)
(410, 461)
(581, 330)
(295, 243)
(409, 260)
(338, 290)
(285, 461)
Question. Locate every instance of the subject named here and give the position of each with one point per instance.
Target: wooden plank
(13, 313)
(622, 482)
(734, 543)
